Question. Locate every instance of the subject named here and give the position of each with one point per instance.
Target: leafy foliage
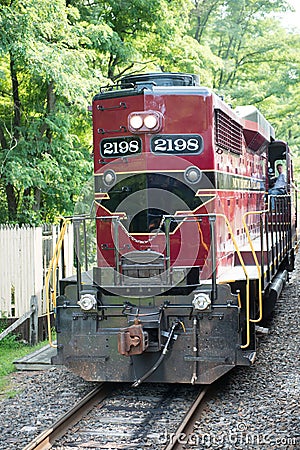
(45, 148)
(259, 59)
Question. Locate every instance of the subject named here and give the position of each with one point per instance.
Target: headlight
(135, 122)
(87, 302)
(150, 121)
(201, 301)
(192, 174)
(109, 177)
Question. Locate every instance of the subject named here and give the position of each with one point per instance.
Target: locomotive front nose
(143, 199)
(146, 229)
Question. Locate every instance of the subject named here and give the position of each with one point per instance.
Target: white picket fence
(25, 253)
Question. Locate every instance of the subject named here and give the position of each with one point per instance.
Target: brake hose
(160, 359)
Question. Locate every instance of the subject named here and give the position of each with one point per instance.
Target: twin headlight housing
(145, 121)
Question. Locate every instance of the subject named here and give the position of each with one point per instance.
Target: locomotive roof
(160, 83)
(161, 79)
(251, 114)
(115, 92)
(156, 82)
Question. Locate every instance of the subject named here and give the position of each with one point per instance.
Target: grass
(10, 350)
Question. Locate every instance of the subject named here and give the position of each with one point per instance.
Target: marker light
(109, 177)
(192, 174)
(87, 302)
(201, 301)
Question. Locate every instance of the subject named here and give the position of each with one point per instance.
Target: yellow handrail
(247, 279)
(260, 302)
(52, 271)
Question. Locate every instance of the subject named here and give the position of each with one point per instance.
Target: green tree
(53, 56)
(259, 60)
(43, 157)
(141, 35)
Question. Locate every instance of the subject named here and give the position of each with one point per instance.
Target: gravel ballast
(253, 408)
(258, 407)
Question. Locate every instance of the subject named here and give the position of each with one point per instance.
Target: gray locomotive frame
(202, 345)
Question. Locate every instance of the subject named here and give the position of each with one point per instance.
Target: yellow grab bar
(52, 271)
(247, 279)
(260, 302)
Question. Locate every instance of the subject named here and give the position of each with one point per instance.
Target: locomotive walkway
(38, 360)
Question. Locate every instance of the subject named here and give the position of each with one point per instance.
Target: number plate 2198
(178, 144)
(120, 146)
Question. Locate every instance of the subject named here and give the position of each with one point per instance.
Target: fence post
(33, 321)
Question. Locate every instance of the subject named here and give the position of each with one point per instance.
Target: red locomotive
(190, 254)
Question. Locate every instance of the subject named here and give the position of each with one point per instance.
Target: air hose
(160, 359)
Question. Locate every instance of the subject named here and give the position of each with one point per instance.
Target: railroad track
(152, 416)
(46, 439)
(185, 429)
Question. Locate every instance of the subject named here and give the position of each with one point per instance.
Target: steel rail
(46, 439)
(174, 443)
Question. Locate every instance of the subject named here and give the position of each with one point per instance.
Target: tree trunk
(51, 99)
(16, 98)
(11, 198)
(11, 202)
(37, 199)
